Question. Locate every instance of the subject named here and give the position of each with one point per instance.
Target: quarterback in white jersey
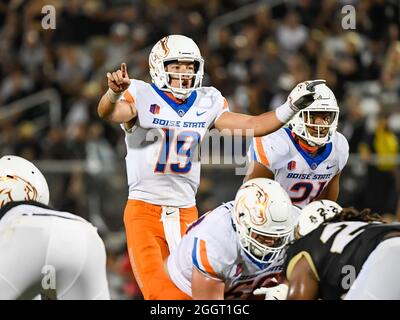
(43, 251)
(160, 145)
(164, 123)
(237, 247)
(307, 157)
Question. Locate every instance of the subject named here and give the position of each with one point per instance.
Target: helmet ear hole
(196, 66)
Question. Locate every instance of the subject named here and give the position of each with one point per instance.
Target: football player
(307, 157)
(309, 218)
(44, 251)
(352, 255)
(164, 122)
(236, 247)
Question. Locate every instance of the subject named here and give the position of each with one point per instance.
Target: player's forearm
(269, 122)
(105, 108)
(266, 123)
(232, 123)
(299, 98)
(331, 192)
(119, 112)
(207, 294)
(204, 288)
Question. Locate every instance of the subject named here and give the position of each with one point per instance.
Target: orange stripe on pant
(148, 248)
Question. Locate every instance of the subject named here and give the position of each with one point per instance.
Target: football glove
(303, 94)
(278, 292)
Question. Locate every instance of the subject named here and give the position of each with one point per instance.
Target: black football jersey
(335, 249)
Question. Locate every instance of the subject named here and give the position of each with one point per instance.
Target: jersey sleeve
(130, 93)
(207, 257)
(268, 150)
(130, 97)
(343, 151)
(221, 104)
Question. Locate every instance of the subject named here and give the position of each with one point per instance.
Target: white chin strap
(179, 95)
(170, 217)
(314, 143)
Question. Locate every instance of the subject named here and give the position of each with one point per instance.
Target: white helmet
(175, 48)
(314, 214)
(20, 180)
(325, 101)
(263, 208)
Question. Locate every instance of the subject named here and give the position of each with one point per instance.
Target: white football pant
(379, 278)
(48, 252)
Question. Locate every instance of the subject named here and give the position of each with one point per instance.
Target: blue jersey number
(185, 144)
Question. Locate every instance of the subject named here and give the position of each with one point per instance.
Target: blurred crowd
(253, 61)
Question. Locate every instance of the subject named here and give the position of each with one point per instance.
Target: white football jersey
(162, 161)
(36, 240)
(212, 246)
(303, 177)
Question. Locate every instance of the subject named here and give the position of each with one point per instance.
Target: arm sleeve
(207, 258)
(130, 93)
(343, 152)
(268, 150)
(221, 104)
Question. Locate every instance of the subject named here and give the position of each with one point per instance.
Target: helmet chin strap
(312, 144)
(174, 95)
(179, 96)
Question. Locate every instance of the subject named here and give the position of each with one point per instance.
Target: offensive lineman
(235, 248)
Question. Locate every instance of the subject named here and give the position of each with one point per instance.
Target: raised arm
(110, 107)
(263, 124)
(299, 98)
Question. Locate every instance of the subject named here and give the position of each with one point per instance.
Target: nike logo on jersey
(200, 113)
(330, 167)
(169, 212)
